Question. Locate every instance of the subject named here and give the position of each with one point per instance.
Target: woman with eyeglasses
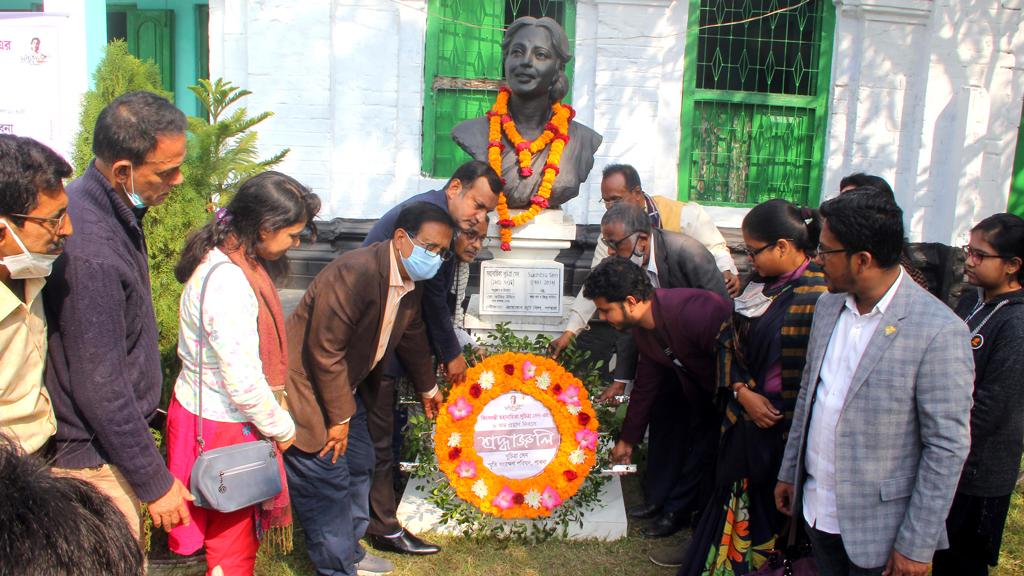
(995, 317)
(761, 360)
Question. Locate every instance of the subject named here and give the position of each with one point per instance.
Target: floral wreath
(557, 390)
(556, 133)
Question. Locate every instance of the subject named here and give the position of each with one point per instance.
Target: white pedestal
(606, 522)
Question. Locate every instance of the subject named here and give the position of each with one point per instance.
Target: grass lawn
(626, 557)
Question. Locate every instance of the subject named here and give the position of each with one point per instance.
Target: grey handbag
(231, 477)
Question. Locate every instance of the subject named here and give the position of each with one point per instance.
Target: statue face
(531, 65)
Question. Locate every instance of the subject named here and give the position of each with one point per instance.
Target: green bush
(118, 73)
(221, 155)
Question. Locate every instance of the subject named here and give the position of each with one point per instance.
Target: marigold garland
(556, 133)
(560, 392)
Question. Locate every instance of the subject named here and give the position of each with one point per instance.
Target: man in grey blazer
(880, 430)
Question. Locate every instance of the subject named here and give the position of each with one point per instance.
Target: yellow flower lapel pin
(890, 330)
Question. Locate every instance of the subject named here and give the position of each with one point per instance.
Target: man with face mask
(33, 226)
(468, 196)
(103, 369)
(363, 306)
(670, 260)
(675, 332)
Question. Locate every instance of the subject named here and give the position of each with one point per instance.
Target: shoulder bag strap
(202, 340)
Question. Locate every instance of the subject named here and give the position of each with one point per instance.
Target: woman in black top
(995, 315)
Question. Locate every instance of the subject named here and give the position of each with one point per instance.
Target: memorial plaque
(516, 436)
(527, 288)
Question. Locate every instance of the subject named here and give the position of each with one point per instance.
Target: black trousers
(380, 403)
(681, 452)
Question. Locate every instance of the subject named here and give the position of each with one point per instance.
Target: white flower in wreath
(543, 381)
(532, 498)
(574, 410)
(454, 440)
(577, 457)
(480, 489)
(486, 380)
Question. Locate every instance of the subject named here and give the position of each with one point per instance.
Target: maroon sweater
(687, 322)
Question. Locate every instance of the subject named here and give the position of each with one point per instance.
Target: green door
(1016, 204)
(462, 69)
(755, 101)
(150, 35)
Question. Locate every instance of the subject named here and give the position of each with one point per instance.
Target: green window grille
(1016, 203)
(755, 100)
(463, 66)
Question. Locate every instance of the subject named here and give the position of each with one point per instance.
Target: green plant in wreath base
(471, 522)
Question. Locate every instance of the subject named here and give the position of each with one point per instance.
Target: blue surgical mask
(132, 196)
(421, 264)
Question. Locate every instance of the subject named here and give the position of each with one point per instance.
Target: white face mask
(27, 264)
(134, 198)
(752, 303)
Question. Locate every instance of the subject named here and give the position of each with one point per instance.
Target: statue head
(534, 53)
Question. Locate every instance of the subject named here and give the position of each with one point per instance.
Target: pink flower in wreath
(529, 370)
(505, 499)
(550, 498)
(587, 439)
(466, 469)
(460, 409)
(571, 396)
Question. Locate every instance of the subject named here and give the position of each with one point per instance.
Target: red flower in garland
(519, 499)
(454, 453)
(522, 146)
(475, 390)
(570, 475)
(583, 418)
(556, 389)
(510, 369)
(506, 223)
(526, 172)
(539, 201)
(506, 246)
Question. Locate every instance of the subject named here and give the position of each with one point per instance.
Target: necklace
(978, 340)
(556, 134)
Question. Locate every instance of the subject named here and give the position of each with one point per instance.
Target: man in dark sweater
(468, 196)
(103, 370)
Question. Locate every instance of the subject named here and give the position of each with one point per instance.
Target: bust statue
(534, 53)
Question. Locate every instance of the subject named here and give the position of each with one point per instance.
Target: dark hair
(471, 171)
(414, 215)
(559, 43)
(861, 180)
(1005, 232)
(778, 219)
(128, 127)
(27, 167)
(270, 200)
(616, 278)
(865, 221)
(632, 217)
(59, 525)
(629, 174)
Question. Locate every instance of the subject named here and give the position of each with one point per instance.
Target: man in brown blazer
(362, 306)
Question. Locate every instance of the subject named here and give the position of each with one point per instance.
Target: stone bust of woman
(534, 53)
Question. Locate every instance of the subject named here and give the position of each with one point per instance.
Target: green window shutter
(462, 70)
(755, 101)
(151, 37)
(1016, 204)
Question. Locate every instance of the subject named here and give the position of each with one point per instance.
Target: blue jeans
(830, 555)
(331, 501)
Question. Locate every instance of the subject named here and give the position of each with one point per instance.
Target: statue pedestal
(523, 287)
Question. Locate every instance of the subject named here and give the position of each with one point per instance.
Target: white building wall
(925, 93)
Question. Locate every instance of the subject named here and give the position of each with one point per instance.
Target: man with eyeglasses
(363, 307)
(468, 196)
(468, 244)
(680, 448)
(103, 370)
(880, 430)
(33, 226)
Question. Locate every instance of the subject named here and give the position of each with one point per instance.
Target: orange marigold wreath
(557, 390)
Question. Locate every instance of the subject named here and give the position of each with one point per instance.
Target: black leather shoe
(643, 512)
(404, 543)
(665, 525)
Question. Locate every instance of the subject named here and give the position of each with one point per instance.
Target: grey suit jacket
(682, 262)
(903, 432)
